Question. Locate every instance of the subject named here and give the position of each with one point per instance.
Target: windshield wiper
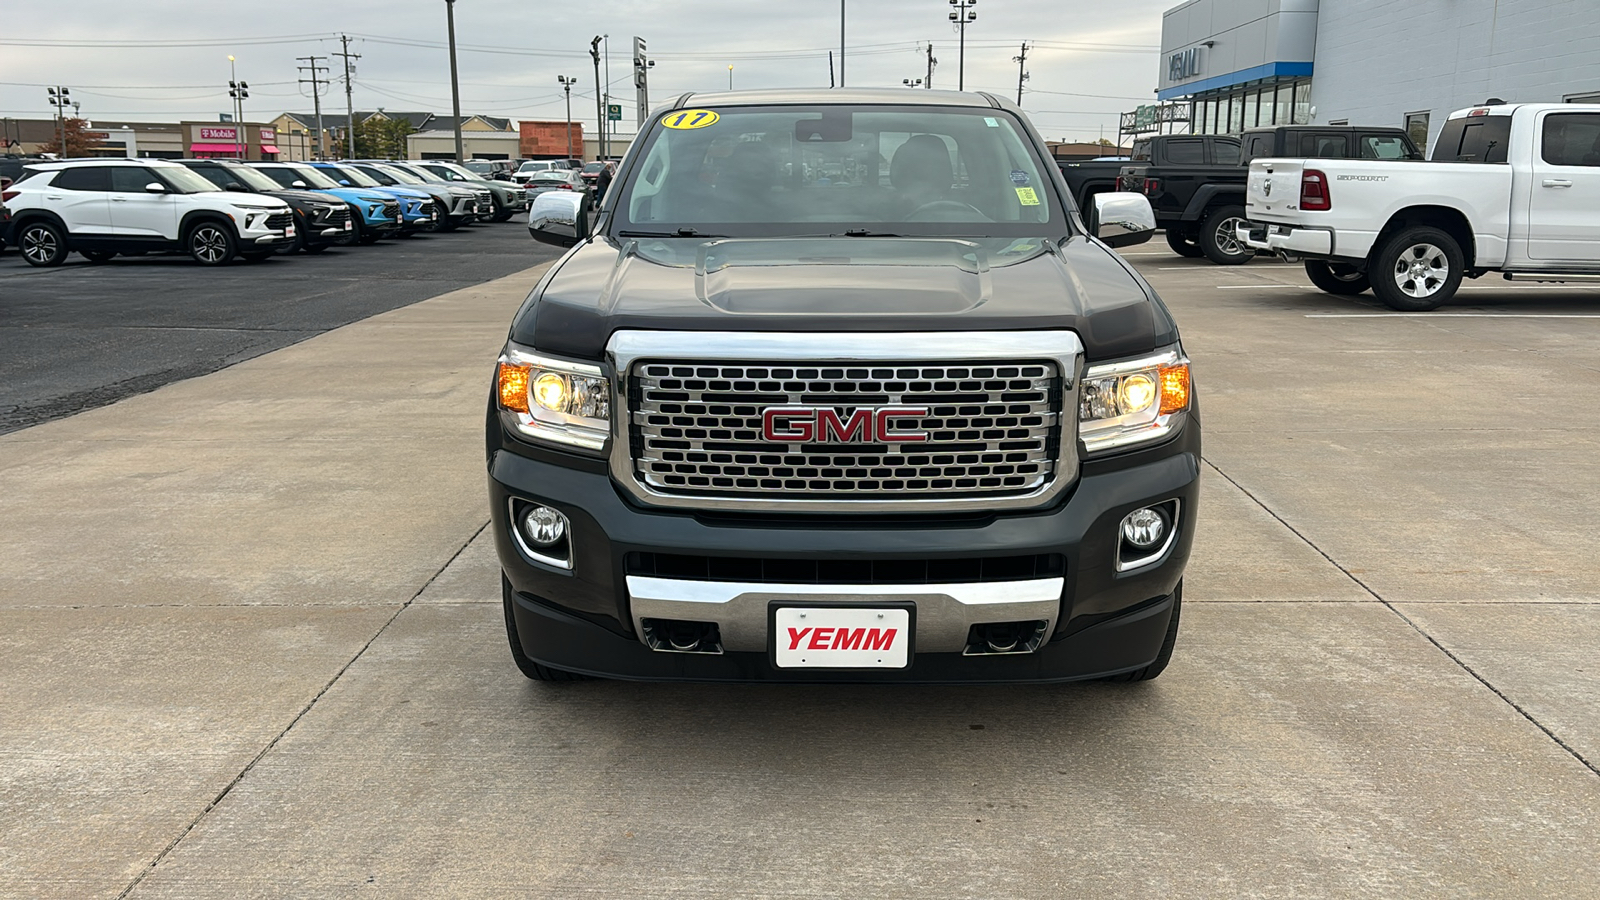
(681, 232)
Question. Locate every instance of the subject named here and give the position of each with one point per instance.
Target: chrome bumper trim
(945, 612)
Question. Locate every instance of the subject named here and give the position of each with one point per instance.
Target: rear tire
(1416, 270)
(1165, 656)
(42, 245)
(211, 244)
(534, 671)
(1218, 240)
(1337, 278)
(503, 215)
(1182, 243)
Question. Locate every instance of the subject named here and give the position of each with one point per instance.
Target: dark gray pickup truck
(835, 386)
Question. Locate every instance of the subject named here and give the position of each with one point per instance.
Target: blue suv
(375, 214)
(418, 209)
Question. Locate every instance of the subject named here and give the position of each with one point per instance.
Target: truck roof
(1506, 109)
(864, 96)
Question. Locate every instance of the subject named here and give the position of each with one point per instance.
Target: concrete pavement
(252, 631)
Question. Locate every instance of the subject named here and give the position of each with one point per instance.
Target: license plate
(851, 637)
(347, 226)
(289, 232)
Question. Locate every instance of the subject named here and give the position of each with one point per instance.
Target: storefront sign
(269, 135)
(219, 134)
(1184, 64)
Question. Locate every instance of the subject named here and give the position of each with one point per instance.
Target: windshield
(399, 175)
(534, 167)
(185, 180)
(774, 171)
(552, 176)
(594, 167)
(353, 175)
(480, 167)
(416, 172)
(288, 175)
(459, 170)
(250, 178)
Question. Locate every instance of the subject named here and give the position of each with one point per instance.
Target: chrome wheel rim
(210, 244)
(1421, 270)
(1227, 237)
(39, 245)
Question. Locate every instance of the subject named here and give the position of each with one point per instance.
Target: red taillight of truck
(1314, 191)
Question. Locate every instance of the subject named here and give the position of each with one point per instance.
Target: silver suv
(103, 207)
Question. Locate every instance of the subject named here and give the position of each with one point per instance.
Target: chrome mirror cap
(1123, 218)
(559, 217)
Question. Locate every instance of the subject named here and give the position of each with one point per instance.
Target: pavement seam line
(1592, 767)
(234, 782)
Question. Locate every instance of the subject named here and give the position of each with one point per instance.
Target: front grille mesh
(336, 217)
(993, 428)
(426, 209)
(279, 221)
(391, 210)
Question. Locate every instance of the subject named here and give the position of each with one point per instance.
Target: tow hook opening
(680, 636)
(992, 638)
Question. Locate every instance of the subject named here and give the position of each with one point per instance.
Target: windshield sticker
(691, 118)
(1027, 197)
(1019, 178)
(991, 121)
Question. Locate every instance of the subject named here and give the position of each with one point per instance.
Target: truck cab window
(1571, 139)
(1380, 146)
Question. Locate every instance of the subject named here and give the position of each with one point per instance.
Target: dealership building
(1238, 64)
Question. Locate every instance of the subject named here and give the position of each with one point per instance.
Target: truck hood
(842, 284)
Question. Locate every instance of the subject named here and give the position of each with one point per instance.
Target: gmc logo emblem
(822, 425)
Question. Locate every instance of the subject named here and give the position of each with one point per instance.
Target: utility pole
(641, 80)
(239, 91)
(567, 81)
(455, 84)
(609, 129)
(599, 98)
(931, 63)
(830, 69)
(61, 98)
(349, 101)
(316, 81)
(961, 15)
(1022, 70)
(841, 43)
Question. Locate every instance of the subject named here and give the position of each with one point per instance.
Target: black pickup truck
(1196, 183)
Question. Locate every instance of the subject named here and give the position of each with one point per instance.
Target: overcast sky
(160, 60)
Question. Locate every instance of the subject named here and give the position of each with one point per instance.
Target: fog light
(1144, 528)
(543, 526)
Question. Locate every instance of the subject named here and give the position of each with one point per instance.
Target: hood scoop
(842, 276)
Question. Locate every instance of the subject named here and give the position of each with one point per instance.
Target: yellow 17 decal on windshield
(691, 118)
(1027, 197)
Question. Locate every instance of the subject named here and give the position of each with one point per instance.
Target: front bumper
(1286, 240)
(588, 618)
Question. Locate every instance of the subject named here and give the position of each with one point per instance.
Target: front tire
(211, 244)
(534, 671)
(1337, 278)
(42, 245)
(1165, 655)
(1417, 270)
(1182, 243)
(1219, 241)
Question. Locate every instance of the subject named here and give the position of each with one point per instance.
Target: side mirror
(297, 183)
(233, 186)
(344, 183)
(155, 187)
(559, 217)
(1122, 219)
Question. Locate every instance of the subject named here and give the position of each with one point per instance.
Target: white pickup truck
(1512, 188)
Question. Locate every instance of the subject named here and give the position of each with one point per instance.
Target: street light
(961, 15)
(61, 98)
(730, 76)
(239, 91)
(455, 84)
(911, 82)
(566, 82)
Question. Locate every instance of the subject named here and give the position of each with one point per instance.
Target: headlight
(1133, 402)
(555, 400)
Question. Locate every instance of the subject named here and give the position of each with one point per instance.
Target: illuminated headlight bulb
(1138, 392)
(550, 392)
(1144, 528)
(543, 526)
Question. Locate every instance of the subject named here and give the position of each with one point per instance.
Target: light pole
(599, 99)
(61, 98)
(239, 91)
(911, 82)
(455, 84)
(567, 81)
(841, 43)
(961, 15)
(730, 76)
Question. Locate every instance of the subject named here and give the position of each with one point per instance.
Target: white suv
(102, 207)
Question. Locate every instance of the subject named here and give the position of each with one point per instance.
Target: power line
(168, 43)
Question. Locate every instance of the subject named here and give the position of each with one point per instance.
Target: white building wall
(1377, 60)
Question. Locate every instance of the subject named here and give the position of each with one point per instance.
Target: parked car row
(217, 210)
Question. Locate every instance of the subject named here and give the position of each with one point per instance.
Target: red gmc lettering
(820, 639)
(774, 426)
(796, 635)
(900, 437)
(858, 429)
(879, 640)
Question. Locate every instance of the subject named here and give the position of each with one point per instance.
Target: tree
(383, 138)
(80, 140)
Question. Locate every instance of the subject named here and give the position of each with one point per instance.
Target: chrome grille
(335, 217)
(993, 428)
(426, 209)
(279, 221)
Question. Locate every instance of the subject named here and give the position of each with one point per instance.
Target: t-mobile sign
(225, 133)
